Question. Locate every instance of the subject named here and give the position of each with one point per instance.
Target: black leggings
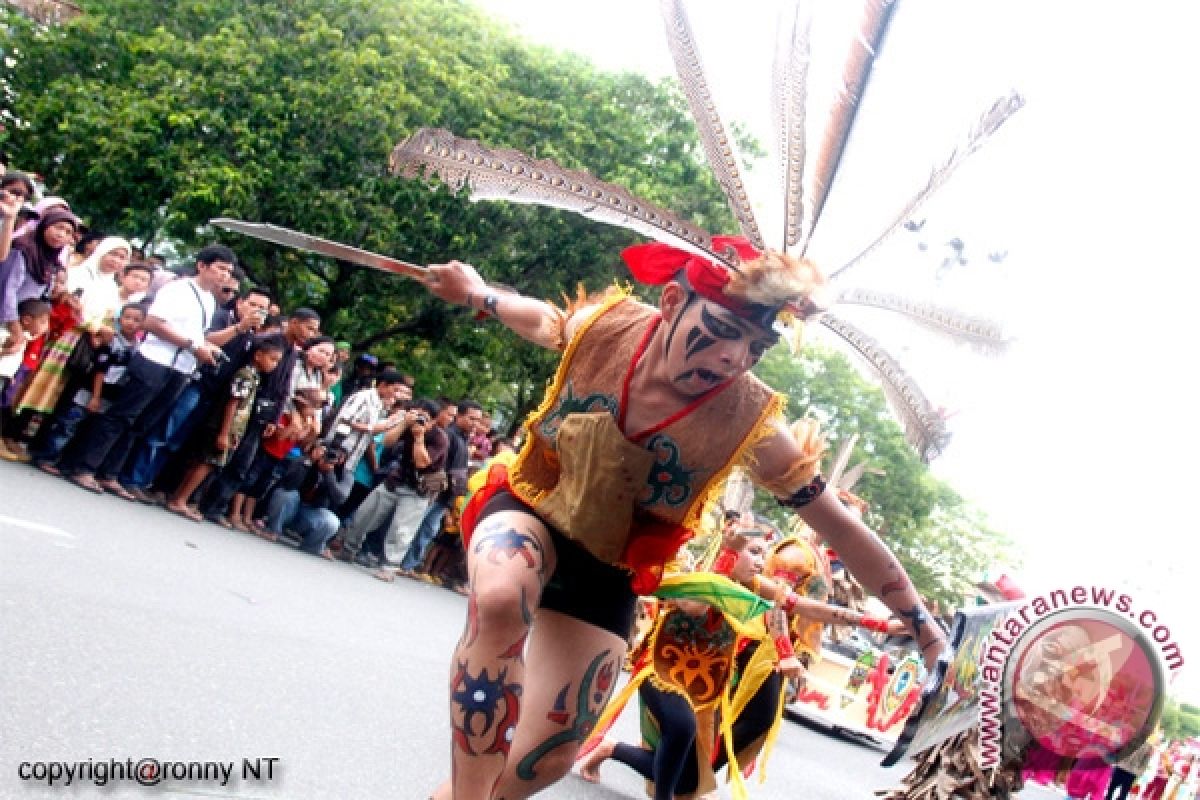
(671, 766)
(758, 715)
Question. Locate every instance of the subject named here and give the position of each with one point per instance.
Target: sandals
(185, 512)
(86, 481)
(113, 487)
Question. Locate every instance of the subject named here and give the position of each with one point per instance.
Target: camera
(423, 419)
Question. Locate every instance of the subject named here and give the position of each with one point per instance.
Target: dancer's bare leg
(509, 559)
(589, 768)
(573, 669)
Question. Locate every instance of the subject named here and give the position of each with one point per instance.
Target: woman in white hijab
(96, 280)
(94, 284)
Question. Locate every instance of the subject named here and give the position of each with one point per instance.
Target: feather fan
(923, 426)
(719, 146)
(515, 177)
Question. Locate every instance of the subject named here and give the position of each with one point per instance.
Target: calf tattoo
(493, 699)
(593, 694)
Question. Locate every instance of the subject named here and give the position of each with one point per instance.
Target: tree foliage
(153, 118)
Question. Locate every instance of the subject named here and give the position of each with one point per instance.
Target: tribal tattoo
(916, 617)
(509, 542)
(496, 701)
(594, 690)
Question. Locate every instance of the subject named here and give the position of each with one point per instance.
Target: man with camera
(176, 325)
(306, 495)
(233, 331)
(414, 471)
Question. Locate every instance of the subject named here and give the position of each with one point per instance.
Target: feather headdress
(754, 271)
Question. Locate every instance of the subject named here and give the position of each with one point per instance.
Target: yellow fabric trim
(737, 786)
(523, 489)
(743, 455)
(618, 703)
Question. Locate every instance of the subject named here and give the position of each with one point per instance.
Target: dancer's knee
(502, 606)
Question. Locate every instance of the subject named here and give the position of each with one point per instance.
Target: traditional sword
(324, 247)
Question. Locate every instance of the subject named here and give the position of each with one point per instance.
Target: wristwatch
(489, 303)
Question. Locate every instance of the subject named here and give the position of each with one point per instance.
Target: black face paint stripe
(697, 341)
(679, 318)
(720, 328)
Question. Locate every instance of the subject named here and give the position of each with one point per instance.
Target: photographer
(307, 493)
(231, 330)
(413, 473)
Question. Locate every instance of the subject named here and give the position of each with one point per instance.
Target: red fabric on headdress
(656, 263)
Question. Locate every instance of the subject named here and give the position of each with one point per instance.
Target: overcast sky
(1082, 441)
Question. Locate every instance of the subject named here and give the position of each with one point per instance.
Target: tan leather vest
(584, 477)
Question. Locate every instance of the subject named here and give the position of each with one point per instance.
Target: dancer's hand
(455, 282)
(791, 667)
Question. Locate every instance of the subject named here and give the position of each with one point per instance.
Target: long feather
(515, 177)
(1003, 108)
(924, 427)
(984, 335)
(719, 146)
(857, 69)
(789, 97)
(841, 460)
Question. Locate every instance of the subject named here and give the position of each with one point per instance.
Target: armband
(789, 602)
(805, 494)
(878, 624)
(783, 646)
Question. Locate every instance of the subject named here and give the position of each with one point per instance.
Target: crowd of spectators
(191, 390)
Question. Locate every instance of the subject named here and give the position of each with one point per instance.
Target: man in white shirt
(175, 343)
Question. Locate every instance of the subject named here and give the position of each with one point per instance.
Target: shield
(950, 697)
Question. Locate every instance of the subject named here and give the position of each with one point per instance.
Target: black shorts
(582, 587)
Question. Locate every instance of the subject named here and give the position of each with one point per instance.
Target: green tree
(155, 118)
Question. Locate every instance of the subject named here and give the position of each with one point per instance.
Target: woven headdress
(749, 274)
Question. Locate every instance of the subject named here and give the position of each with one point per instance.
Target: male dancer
(649, 410)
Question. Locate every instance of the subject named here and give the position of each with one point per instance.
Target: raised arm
(534, 320)
(785, 466)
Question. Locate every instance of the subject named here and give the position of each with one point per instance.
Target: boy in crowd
(95, 395)
(33, 316)
(297, 427)
(135, 280)
(229, 421)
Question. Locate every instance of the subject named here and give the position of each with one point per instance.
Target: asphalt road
(129, 633)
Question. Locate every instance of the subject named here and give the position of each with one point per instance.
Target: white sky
(1081, 442)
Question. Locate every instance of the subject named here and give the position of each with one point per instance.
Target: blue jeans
(165, 440)
(316, 526)
(147, 396)
(431, 525)
(60, 433)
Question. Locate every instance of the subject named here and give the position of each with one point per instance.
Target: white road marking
(36, 527)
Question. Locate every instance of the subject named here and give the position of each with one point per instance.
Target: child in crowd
(135, 280)
(110, 358)
(33, 315)
(228, 422)
(296, 428)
